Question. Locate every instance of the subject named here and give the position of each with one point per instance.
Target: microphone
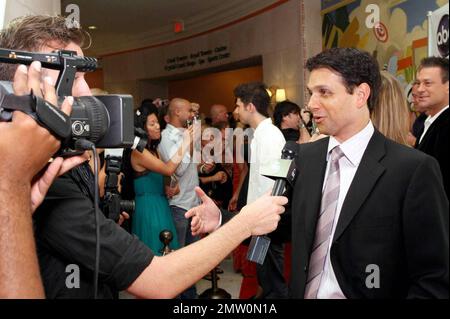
(283, 171)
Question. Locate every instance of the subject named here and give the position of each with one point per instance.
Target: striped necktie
(324, 226)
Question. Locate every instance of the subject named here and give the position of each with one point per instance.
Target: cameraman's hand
(205, 217)
(262, 215)
(56, 168)
(25, 146)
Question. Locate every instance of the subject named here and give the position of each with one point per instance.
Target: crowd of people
(371, 189)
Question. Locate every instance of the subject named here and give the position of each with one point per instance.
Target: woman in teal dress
(152, 213)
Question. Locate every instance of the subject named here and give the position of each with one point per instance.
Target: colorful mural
(394, 31)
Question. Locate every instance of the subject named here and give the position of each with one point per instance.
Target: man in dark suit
(370, 216)
(432, 96)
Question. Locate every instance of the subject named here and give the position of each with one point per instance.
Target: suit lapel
(314, 174)
(429, 135)
(418, 136)
(369, 171)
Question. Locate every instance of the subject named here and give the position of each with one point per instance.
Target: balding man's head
(175, 105)
(179, 112)
(218, 113)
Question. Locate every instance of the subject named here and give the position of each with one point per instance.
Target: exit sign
(178, 26)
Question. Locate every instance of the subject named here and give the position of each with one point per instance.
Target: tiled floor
(229, 281)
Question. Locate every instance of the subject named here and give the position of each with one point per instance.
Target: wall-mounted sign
(439, 32)
(202, 57)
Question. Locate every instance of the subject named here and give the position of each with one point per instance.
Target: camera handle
(67, 62)
(46, 114)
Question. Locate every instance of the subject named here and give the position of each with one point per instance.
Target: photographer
(23, 184)
(65, 222)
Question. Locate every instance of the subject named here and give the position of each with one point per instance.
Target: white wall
(275, 35)
(311, 34)
(2, 13)
(16, 8)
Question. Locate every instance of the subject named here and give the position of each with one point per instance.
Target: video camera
(106, 121)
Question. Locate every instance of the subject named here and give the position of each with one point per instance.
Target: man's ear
(362, 93)
(251, 107)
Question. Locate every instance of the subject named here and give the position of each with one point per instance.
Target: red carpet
(249, 285)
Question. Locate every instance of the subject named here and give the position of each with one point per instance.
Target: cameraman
(65, 227)
(23, 184)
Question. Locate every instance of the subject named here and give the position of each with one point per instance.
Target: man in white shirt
(432, 96)
(253, 102)
(370, 216)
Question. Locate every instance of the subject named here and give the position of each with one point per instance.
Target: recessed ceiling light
(92, 27)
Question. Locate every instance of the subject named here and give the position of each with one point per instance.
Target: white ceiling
(129, 24)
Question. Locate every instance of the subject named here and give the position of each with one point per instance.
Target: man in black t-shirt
(65, 235)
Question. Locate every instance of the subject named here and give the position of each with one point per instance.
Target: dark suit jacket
(226, 215)
(436, 143)
(395, 216)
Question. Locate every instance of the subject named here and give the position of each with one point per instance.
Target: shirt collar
(173, 130)
(354, 147)
(266, 122)
(170, 127)
(431, 119)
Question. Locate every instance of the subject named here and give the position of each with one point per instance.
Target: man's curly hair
(32, 32)
(354, 66)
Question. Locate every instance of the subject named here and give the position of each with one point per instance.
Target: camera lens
(90, 118)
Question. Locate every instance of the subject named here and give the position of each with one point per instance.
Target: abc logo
(442, 36)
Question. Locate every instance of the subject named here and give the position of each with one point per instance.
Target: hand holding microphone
(283, 171)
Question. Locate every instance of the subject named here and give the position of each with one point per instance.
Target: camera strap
(46, 114)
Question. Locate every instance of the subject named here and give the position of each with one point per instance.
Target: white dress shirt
(171, 139)
(353, 149)
(266, 146)
(429, 121)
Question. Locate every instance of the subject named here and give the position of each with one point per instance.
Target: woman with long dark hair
(152, 212)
